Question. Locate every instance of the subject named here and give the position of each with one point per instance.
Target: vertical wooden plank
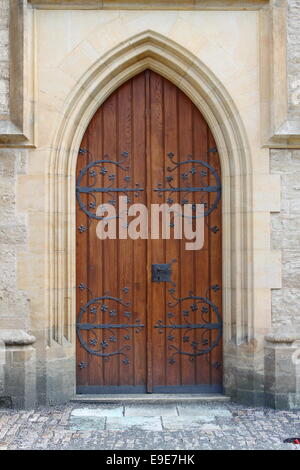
(139, 271)
(125, 260)
(187, 256)
(110, 247)
(215, 254)
(82, 243)
(173, 337)
(158, 253)
(150, 306)
(202, 279)
(94, 281)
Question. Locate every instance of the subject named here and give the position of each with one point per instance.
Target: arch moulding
(172, 61)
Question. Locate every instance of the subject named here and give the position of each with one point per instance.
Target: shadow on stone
(5, 402)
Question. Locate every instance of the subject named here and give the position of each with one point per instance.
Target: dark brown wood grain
(148, 117)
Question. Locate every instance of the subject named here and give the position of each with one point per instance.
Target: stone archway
(150, 50)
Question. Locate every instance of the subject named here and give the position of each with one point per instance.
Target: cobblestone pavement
(155, 427)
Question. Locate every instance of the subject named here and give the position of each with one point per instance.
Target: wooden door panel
(173, 338)
(180, 128)
(111, 268)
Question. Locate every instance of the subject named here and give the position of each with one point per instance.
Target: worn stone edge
(16, 338)
(282, 337)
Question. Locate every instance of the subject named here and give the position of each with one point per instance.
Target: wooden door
(150, 143)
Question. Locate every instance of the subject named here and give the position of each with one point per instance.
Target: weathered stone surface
(291, 268)
(21, 161)
(287, 335)
(286, 236)
(145, 423)
(203, 412)
(285, 307)
(18, 373)
(4, 57)
(282, 388)
(180, 422)
(16, 338)
(100, 411)
(91, 423)
(12, 233)
(293, 46)
(7, 163)
(20, 370)
(150, 410)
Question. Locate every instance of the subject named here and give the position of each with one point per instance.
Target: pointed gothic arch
(150, 50)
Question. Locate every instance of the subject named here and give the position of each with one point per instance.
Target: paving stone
(149, 410)
(211, 427)
(180, 422)
(148, 423)
(203, 412)
(249, 428)
(91, 423)
(99, 411)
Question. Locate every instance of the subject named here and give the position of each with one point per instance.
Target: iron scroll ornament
(92, 171)
(202, 305)
(186, 188)
(101, 346)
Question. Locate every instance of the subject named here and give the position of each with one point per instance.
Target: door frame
(150, 50)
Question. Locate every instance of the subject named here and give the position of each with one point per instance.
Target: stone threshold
(150, 398)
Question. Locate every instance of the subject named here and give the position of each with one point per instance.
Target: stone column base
(282, 369)
(244, 372)
(17, 368)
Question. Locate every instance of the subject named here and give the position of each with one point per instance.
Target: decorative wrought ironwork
(91, 173)
(206, 309)
(82, 365)
(105, 345)
(186, 189)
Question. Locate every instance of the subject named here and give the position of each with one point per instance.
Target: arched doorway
(148, 311)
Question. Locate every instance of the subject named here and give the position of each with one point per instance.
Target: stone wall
(282, 385)
(17, 359)
(293, 61)
(286, 237)
(4, 57)
(17, 369)
(286, 224)
(14, 304)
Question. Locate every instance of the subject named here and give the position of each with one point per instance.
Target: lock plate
(161, 272)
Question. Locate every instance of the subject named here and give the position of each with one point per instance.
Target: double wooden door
(148, 310)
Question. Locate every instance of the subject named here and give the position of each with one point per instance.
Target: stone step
(151, 398)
